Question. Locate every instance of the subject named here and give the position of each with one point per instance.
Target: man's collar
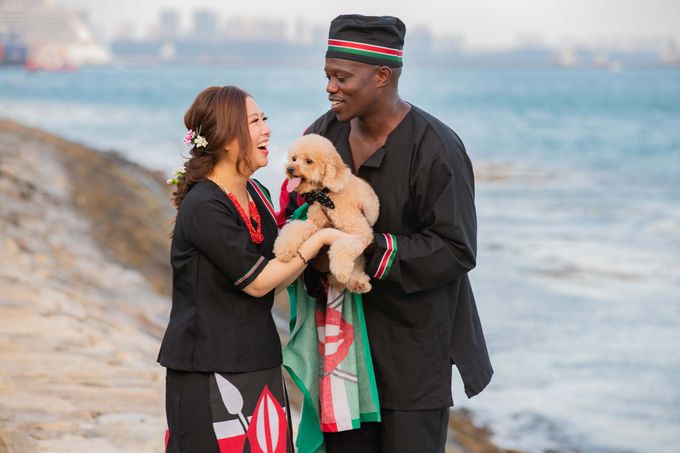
(375, 159)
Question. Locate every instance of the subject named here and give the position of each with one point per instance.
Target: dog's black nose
(290, 170)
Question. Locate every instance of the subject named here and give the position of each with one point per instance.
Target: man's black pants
(399, 432)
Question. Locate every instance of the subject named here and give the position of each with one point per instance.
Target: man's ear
(336, 173)
(383, 75)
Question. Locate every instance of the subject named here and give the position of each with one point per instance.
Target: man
(421, 315)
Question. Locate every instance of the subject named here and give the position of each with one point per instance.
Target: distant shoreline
(315, 63)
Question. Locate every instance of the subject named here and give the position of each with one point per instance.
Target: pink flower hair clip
(194, 139)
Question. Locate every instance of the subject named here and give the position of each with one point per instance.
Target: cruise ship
(52, 38)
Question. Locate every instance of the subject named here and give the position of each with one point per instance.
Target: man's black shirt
(421, 314)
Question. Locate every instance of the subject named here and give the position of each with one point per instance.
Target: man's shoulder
(323, 124)
(438, 144)
(436, 132)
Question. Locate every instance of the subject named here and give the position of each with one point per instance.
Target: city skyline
(477, 25)
(57, 36)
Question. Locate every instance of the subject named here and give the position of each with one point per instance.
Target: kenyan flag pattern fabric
(250, 412)
(328, 356)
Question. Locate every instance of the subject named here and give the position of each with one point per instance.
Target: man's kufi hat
(375, 40)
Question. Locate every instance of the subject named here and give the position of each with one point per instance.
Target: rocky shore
(84, 296)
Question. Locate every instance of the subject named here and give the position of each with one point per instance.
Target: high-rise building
(205, 25)
(255, 30)
(169, 25)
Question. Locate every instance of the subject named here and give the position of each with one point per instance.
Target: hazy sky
(482, 23)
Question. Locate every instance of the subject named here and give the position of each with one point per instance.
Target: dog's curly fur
(314, 159)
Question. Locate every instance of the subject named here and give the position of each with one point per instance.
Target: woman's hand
(330, 235)
(324, 237)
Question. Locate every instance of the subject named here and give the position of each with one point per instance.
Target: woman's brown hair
(218, 114)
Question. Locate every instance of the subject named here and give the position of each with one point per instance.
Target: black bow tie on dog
(320, 196)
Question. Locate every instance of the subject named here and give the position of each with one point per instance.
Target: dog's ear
(336, 172)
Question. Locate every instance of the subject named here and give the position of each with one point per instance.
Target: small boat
(50, 58)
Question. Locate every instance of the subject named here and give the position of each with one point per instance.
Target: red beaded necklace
(255, 233)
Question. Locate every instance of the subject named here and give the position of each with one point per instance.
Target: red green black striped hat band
(366, 50)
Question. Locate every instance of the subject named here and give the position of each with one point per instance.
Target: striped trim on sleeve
(388, 257)
(250, 271)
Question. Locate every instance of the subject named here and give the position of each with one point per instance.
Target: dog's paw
(342, 255)
(285, 250)
(359, 284)
(341, 269)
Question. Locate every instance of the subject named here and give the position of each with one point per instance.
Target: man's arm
(446, 245)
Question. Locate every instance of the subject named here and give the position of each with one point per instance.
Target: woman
(224, 389)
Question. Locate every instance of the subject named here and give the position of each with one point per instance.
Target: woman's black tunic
(214, 325)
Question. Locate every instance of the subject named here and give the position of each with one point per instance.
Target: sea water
(578, 273)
